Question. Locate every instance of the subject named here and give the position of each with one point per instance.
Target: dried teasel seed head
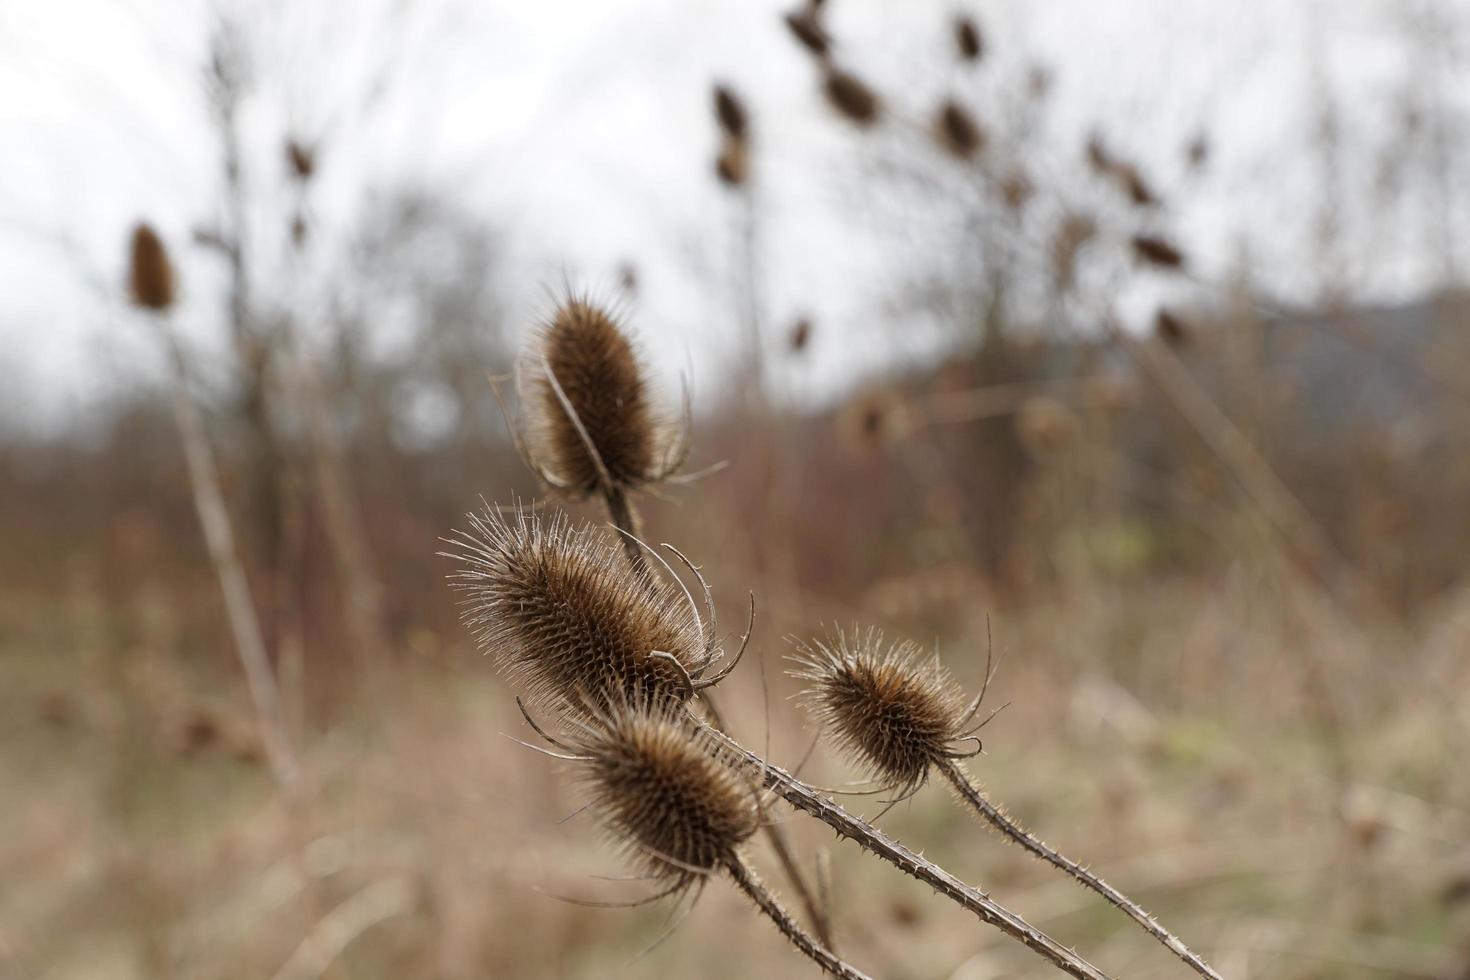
(664, 791)
(1171, 329)
(873, 418)
(801, 335)
(1137, 189)
(589, 416)
(851, 96)
(150, 274)
(301, 158)
(567, 617)
(1157, 251)
(730, 112)
(808, 31)
(893, 709)
(732, 166)
(967, 39)
(957, 130)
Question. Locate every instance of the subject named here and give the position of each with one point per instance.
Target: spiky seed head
(1171, 328)
(967, 39)
(893, 709)
(808, 31)
(666, 792)
(957, 130)
(150, 274)
(801, 335)
(733, 164)
(851, 96)
(1161, 252)
(301, 158)
(583, 351)
(730, 112)
(566, 616)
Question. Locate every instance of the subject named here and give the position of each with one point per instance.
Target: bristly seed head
(589, 417)
(664, 790)
(894, 710)
(150, 275)
(566, 616)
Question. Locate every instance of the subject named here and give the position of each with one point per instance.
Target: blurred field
(1215, 513)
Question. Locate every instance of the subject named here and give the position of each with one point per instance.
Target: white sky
(583, 130)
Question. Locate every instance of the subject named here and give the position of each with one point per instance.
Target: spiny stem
(747, 881)
(990, 812)
(624, 517)
(868, 837)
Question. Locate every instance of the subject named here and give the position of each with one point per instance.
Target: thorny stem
(868, 837)
(624, 517)
(992, 813)
(753, 887)
(776, 835)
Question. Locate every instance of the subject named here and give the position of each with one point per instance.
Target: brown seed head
(1133, 184)
(730, 112)
(851, 96)
(801, 335)
(1171, 329)
(565, 615)
(957, 130)
(967, 39)
(301, 158)
(732, 166)
(150, 275)
(807, 30)
(583, 361)
(894, 710)
(1157, 251)
(665, 791)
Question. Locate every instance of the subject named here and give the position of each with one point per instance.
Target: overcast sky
(583, 131)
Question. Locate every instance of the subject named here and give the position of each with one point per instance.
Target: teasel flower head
(894, 710)
(662, 788)
(590, 422)
(850, 96)
(150, 274)
(567, 618)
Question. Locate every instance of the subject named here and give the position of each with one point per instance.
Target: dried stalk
(972, 795)
(747, 881)
(210, 504)
(868, 837)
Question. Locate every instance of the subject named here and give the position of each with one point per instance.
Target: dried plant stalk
(901, 715)
(874, 841)
(1013, 832)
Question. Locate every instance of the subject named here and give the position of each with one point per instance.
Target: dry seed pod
(851, 96)
(1171, 329)
(957, 130)
(567, 618)
(967, 39)
(730, 112)
(590, 424)
(801, 335)
(733, 164)
(667, 792)
(807, 30)
(1157, 251)
(301, 159)
(901, 715)
(150, 275)
(894, 710)
(674, 797)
